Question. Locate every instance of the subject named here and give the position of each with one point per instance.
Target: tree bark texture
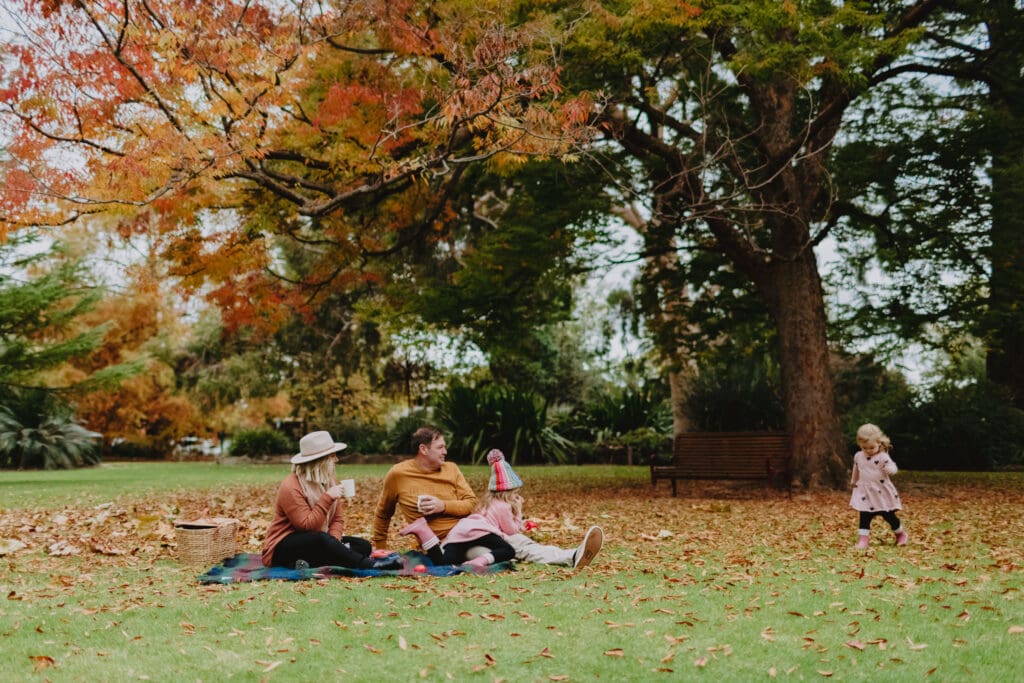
(1004, 320)
(794, 294)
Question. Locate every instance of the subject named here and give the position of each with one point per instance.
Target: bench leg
(673, 488)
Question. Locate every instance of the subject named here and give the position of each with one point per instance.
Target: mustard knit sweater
(405, 481)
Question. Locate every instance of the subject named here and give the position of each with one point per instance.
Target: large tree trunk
(680, 384)
(794, 294)
(668, 303)
(1005, 316)
(1004, 321)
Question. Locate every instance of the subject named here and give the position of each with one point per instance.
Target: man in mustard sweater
(423, 486)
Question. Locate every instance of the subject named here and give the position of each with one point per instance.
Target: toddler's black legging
(320, 549)
(455, 553)
(887, 515)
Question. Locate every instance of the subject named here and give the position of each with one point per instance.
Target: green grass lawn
(724, 582)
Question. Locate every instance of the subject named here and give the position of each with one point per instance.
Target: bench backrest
(734, 446)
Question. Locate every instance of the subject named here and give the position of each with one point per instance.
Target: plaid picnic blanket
(249, 567)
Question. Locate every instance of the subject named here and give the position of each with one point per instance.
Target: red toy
(420, 569)
(531, 525)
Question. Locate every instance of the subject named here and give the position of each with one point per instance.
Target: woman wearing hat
(308, 527)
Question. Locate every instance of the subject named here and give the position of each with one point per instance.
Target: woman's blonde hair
(511, 497)
(870, 432)
(319, 471)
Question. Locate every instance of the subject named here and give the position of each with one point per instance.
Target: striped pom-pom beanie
(503, 478)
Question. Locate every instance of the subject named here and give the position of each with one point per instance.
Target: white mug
(348, 488)
(419, 503)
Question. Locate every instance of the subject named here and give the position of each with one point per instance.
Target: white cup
(348, 488)
(419, 503)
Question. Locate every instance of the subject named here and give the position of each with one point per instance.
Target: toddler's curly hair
(870, 432)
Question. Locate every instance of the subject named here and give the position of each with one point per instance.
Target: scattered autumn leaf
(103, 549)
(42, 661)
(9, 546)
(61, 548)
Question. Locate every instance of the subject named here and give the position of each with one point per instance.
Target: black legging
(887, 515)
(320, 549)
(455, 553)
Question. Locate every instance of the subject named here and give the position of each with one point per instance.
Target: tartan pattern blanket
(245, 567)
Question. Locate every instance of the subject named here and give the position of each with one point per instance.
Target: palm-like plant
(508, 418)
(57, 442)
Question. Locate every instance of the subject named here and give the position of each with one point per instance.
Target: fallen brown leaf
(42, 662)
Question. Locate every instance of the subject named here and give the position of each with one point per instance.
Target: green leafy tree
(512, 268)
(39, 316)
(937, 167)
(36, 314)
(729, 113)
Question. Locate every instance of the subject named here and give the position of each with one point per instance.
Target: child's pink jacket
(496, 519)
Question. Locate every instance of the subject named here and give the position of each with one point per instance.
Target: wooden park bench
(765, 456)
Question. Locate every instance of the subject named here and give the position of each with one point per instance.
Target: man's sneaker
(589, 548)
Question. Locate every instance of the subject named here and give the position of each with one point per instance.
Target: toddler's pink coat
(873, 491)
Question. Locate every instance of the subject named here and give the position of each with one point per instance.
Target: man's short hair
(424, 436)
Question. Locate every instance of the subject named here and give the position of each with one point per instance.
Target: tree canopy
(321, 172)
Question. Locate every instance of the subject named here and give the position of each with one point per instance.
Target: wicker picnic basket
(206, 541)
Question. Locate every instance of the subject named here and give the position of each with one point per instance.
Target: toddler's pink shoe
(902, 538)
(862, 543)
(422, 531)
(479, 563)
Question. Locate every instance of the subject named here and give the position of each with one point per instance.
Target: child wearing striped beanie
(502, 506)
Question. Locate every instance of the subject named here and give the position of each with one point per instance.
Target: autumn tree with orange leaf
(142, 327)
(227, 129)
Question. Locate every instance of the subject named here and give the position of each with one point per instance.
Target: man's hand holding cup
(429, 505)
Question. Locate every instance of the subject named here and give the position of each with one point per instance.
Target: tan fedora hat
(316, 445)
